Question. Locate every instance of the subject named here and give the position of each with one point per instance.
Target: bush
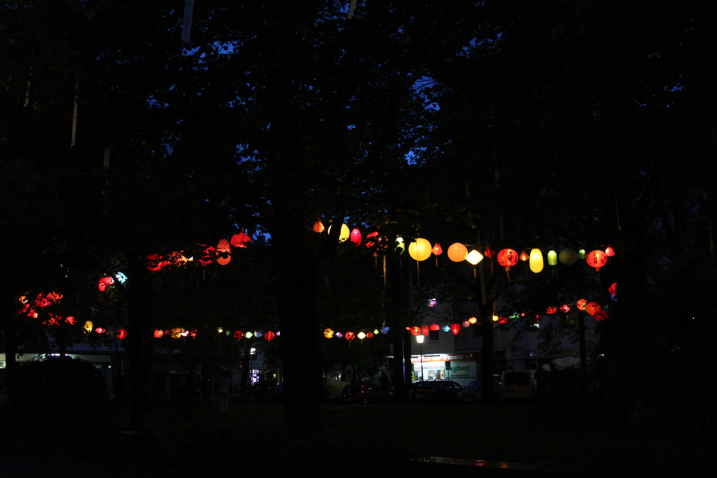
(59, 385)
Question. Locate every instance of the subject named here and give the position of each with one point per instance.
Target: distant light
(121, 277)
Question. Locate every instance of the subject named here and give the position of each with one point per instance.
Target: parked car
(472, 391)
(439, 391)
(363, 393)
(518, 384)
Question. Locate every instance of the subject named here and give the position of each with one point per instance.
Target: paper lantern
(121, 334)
(350, 336)
(445, 328)
(328, 333)
(565, 308)
(87, 327)
(361, 335)
(503, 320)
(551, 310)
(424, 329)
(415, 330)
(220, 330)
(597, 259)
(344, 234)
(400, 245)
(568, 256)
(318, 227)
(154, 262)
(507, 258)
(582, 303)
(524, 256)
(600, 315)
(434, 327)
(104, 282)
(375, 331)
(437, 251)
(613, 289)
(225, 248)
(100, 330)
(70, 320)
(592, 307)
(582, 254)
(489, 253)
(536, 260)
(356, 237)
(609, 251)
(474, 257)
(495, 318)
(455, 328)
(248, 335)
(222, 261)
(207, 255)
(457, 252)
(373, 239)
(552, 258)
(158, 334)
(466, 323)
(369, 335)
(238, 334)
(269, 335)
(121, 277)
(339, 334)
(241, 239)
(385, 329)
(184, 333)
(258, 333)
(472, 320)
(193, 333)
(419, 250)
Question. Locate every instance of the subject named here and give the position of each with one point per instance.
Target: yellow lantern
(419, 250)
(361, 335)
(248, 335)
(457, 252)
(474, 257)
(176, 333)
(328, 333)
(536, 260)
(88, 327)
(345, 233)
(472, 320)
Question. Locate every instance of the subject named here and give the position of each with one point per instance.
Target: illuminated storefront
(460, 368)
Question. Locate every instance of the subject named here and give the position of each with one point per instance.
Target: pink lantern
(355, 237)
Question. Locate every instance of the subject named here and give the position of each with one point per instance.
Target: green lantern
(582, 254)
(552, 258)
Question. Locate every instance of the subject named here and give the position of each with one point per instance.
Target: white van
(518, 384)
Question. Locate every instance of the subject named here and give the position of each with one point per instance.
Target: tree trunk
(486, 353)
(399, 384)
(136, 343)
(407, 357)
(245, 373)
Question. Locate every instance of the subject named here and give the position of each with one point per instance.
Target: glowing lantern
(592, 307)
(269, 335)
(419, 250)
(424, 329)
(350, 336)
(258, 333)
(524, 256)
(356, 237)
(206, 255)
(104, 282)
(613, 289)
(552, 258)
(248, 335)
(415, 330)
(400, 244)
(369, 335)
(154, 262)
(184, 333)
(318, 227)
(597, 259)
(87, 327)
(474, 257)
(70, 320)
(466, 323)
(240, 240)
(121, 334)
(536, 260)
(551, 310)
(568, 256)
(224, 248)
(384, 329)
(437, 251)
(328, 333)
(581, 304)
(344, 234)
(375, 331)
(100, 330)
(565, 308)
(445, 328)
(220, 330)
(434, 327)
(457, 252)
(222, 261)
(489, 253)
(507, 258)
(472, 320)
(455, 328)
(361, 335)
(193, 333)
(600, 315)
(238, 334)
(373, 239)
(582, 254)
(121, 277)
(503, 320)
(609, 251)
(495, 318)
(158, 334)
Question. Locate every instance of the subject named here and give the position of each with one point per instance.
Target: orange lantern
(524, 256)
(415, 330)
(581, 304)
(609, 251)
(224, 248)
(158, 334)
(434, 327)
(207, 255)
(457, 252)
(592, 307)
(318, 227)
(121, 334)
(472, 320)
(269, 335)
(455, 328)
(424, 330)
(100, 330)
(369, 335)
(240, 240)
(355, 237)
(597, 259)
(350, 336)
(328, 333)
(600, 315)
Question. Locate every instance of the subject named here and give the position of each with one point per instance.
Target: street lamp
(419, 339)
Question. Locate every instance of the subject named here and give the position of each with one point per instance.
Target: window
(434, 335)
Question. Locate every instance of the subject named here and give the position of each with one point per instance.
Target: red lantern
(350, 336)
(582, 303)
(269, 335)
(424, 330)
(70, 320)
(597, 259)
(207, 255)
(240, 240)
(415, 330)
(593, 307)
(193, 333)
(507, 258)
(373, 239)
(437, 251)
(104, 282)
(609, 251)
(434, 327)
(488, 253)
(551, 310)
(318, 227)
(154, 262)
(121, 334)
(100, 330)
(565, 308)
(158, 334)
(355, 237)
(369, 335)
(524, 256)
(600, 315)
(613, 289)
(503, 320)
(238, 334)
(455, 328)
